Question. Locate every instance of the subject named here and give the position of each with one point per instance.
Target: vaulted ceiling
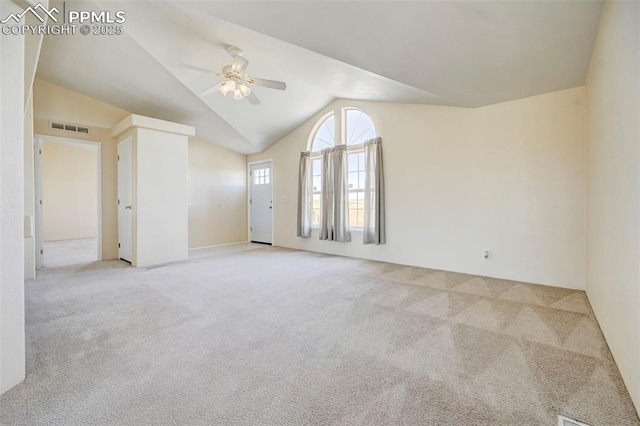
(458, 53)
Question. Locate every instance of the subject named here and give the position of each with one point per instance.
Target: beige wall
(509, 178)
(613, 259)
(217, 195)
(53, 102)
(70, 190)
(217, 185)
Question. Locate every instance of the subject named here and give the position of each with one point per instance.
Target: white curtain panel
(374, 231)
(340, 195)
(305, 196)
(335, 195)
(326, 218)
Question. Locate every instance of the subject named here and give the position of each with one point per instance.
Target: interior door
(261, 202)
(125, 196)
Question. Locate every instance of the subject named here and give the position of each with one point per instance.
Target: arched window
(323, 134)
(322, 137)
(357, 127)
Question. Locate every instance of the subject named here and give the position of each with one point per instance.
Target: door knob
(128, 207)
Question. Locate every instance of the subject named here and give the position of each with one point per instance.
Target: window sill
(356, 230)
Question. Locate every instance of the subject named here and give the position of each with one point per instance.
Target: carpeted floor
(69, 252)
(275, 336)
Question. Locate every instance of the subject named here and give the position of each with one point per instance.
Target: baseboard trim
(218, 245)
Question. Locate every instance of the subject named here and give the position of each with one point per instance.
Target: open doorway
(68, 228)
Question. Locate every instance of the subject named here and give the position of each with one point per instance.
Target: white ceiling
(436, 52)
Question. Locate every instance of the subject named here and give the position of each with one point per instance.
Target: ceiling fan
(236, 80)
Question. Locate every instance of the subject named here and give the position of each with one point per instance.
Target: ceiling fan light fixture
(236, 80)
(224, 88)
(244, 89)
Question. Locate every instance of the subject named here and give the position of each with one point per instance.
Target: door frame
(120, 142)
(39, 179)
(249, 183)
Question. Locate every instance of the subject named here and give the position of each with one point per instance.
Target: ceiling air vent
(68, 127)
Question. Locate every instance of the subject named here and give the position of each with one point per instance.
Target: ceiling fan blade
(239, 64)
(271, 84)
(252, 98)
(210, 90)
(195, 68)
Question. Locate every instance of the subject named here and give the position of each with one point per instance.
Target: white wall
(613, 256)
(12, 109)
(70, 190)
(33, 46)
(509, 178)
(217, 195)
(160, 189)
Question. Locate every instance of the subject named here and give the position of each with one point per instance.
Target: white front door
(260, 202)
(125, 198)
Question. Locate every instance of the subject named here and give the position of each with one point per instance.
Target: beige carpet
(70, 252)
(282, 337)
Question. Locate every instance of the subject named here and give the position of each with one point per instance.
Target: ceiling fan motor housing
(234, 51)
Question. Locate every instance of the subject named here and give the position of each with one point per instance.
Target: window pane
(359, 127)
(317, 167)
(361, 161)
(324, 137)
(353, 218)
(353, 180)
(353, 162)
(317, 206)
(356, 205)
(353, 201)
(360, 219)
(317, 183)
(329, 124)
(361, 180)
